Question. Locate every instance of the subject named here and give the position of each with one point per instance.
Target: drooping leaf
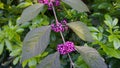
(35, 42)
(51, 61)
(81, 30)
(77, 5)
(30, 12)
(91, 57)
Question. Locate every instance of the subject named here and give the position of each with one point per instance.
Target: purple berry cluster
(66, 48)
(59, 26)
(50, 3)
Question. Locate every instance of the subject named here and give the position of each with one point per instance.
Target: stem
(62, 37)
(54, 14)
(72, 64)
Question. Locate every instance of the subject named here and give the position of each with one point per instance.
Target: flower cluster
(50, 3)
(59, 26)
(66, 48)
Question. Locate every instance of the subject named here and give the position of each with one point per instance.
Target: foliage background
(12, 35)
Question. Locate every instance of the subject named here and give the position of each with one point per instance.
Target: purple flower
(59, 26)
(66, 48)
(49, 3)
(56, 27)
(70, 46)
(62, 49)
(57, 3)
(64, 22)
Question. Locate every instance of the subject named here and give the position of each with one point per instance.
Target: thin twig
(72, 64)
(62, 37)
(54, 14)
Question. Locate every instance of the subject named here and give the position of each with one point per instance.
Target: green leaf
(81, 30)
(100, 36)
(8, 44)
(35, 42)
(24, 63)
(15, 52)
(20, 30)
(108, 21)
(111, 51)
(115, 21)
(104, 6)
(111, 38)
(116, 43)
(1, 47)
(32, 62)
(79, 63)
(1, 5)
(30, 12)
(24, 4)
(15, 61)
(51, 61)
(93, 29)
(77, 5)
(91, 57)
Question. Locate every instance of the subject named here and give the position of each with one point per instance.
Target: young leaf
(77, 5)
(91, 57)
(81, 30)
(35, 42)
(30, 13)
(51, 61)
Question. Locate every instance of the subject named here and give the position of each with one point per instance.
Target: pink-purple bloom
(49, 3)
(64, 22)
(66, 48)
(59, 26)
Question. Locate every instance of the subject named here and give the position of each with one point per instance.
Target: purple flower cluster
(59, 26)
(66, 48)
(50, 3)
